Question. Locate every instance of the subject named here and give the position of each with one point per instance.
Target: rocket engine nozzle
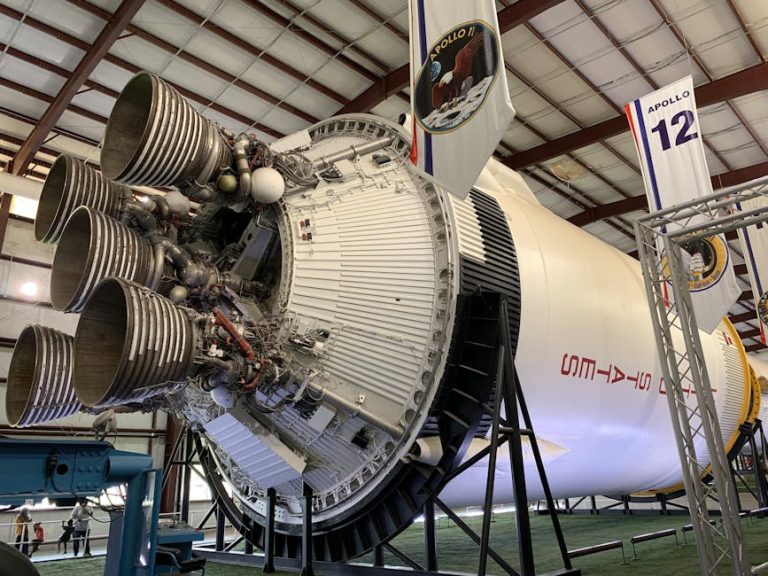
(92, 247)
(40, 377)
(70, 184)
(131, 344)
(154, 137)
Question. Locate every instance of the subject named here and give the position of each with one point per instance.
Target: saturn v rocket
(306, 316)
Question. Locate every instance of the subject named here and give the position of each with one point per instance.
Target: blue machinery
(66, 470)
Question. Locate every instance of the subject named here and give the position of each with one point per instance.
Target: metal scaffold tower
(661, 238)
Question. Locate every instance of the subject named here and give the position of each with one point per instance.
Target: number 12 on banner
(684, 133)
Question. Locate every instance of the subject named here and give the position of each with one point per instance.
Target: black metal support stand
(758, 462)
(508, 430)
(248, 521)
(269, 533)
(430, 542)
(378, 556)
(755, 439)
(509, 393)
(221, 520)
(186, 475)
(306, 534)
(663, 502)
(211, 511)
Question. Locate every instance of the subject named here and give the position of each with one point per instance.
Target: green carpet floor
(456, 552)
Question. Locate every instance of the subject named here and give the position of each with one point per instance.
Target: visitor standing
(81, 517)
(23, 520)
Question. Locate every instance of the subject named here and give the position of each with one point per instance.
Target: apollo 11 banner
(460, 104)
(667, 135)
(754, 242)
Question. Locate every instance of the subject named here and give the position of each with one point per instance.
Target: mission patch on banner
(456, 77)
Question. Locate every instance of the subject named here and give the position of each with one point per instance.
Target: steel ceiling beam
(743, 317)
(52, 68)
(300, 32)
(735, 85)
(544, 96)
(50, 100)
(362, 6)
(17, 141)
(569, 65)
(678, 34)
(638, 68)
(745, 296)
(751, 333)
(248, 48)
(328, 29)
(555, 187)
(620, 207)
(117, 61)
(747, 33)
(5, 213)
(109, 34)
(114, 94)
(200, 63)
(383, 88)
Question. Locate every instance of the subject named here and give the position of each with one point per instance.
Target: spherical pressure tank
(267, 185)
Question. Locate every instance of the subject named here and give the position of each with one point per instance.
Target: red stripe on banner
(414, 156)
(762, 331)
(628, 112)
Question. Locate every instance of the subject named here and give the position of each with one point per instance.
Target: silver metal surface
(131, 344)
(155, 138)
(71, 183)
(40, 377)
(659, 239)
(92, 247)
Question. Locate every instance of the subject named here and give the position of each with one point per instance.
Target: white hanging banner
(666, 130)
(754, 244)
(460, 104)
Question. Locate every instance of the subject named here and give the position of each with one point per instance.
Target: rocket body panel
(588, 362)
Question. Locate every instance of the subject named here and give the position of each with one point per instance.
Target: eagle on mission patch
(452, 84)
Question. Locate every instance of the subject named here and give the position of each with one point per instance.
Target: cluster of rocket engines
(297, 305)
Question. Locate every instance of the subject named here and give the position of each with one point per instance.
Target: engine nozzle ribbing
(92, 247)
(40, 377)
(70, 184)
(155, 138)
(131, 344)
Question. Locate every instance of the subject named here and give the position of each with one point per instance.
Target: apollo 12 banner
(667, 135)
(460, 104)
(754, 242)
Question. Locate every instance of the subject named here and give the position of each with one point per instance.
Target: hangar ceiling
(276, 66)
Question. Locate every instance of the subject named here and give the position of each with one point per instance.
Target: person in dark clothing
(22, 530)
(66, 535)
